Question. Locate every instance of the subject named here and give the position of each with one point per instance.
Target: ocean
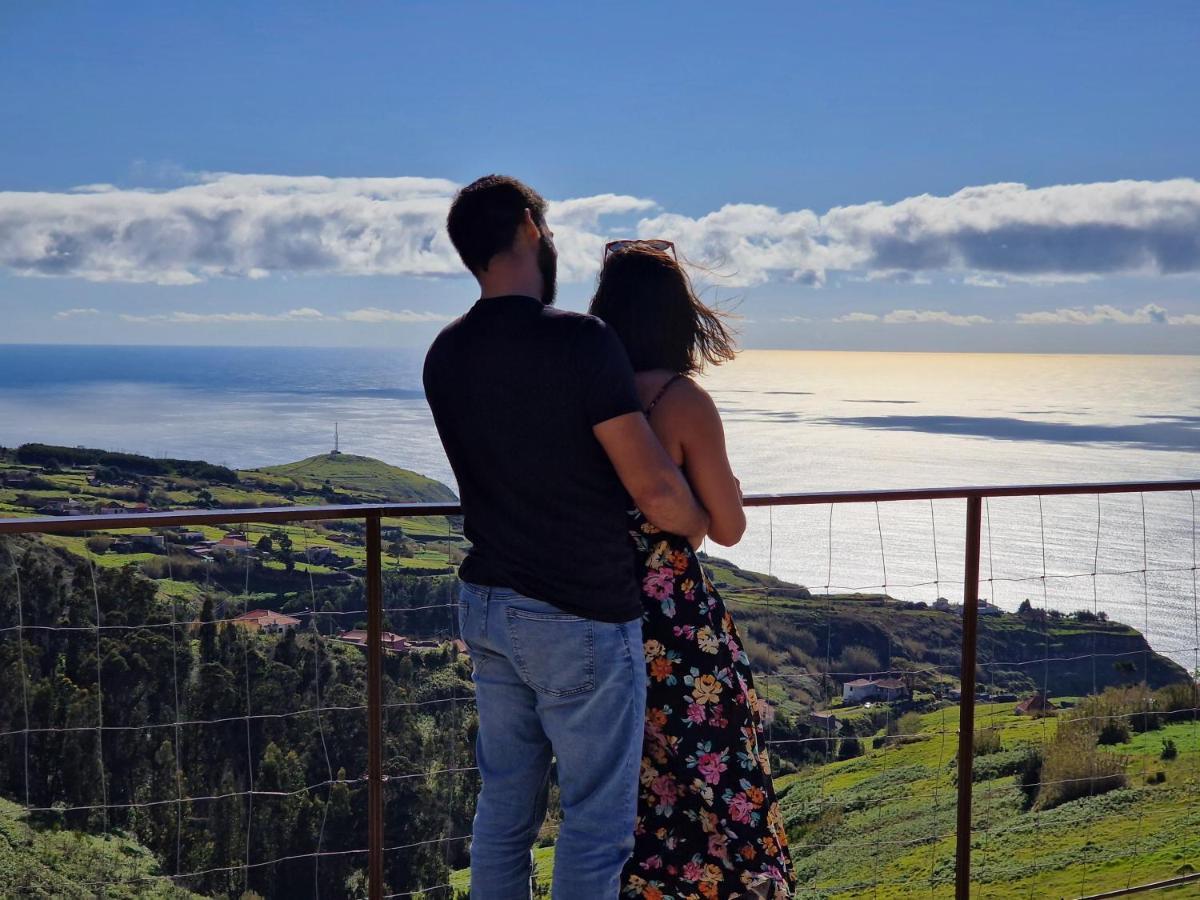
(795, 421)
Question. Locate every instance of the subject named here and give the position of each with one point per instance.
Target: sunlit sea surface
(795, 421)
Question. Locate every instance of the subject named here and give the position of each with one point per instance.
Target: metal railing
(373, 514)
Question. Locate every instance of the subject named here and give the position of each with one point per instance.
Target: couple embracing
(590, 468)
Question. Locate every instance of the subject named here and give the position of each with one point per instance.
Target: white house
(862, 689)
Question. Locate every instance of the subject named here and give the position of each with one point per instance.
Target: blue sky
(737, 131)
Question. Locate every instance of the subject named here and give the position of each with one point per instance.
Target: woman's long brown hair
(646, 297)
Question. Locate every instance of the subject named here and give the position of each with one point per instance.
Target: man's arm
(651, 477)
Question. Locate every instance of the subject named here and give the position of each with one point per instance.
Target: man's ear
(531, 226)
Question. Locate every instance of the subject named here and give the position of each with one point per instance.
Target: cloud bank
(76, 312)
(254, 226)
(1150, 314)
(371, 315)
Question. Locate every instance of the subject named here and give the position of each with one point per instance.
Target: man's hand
(651, 477)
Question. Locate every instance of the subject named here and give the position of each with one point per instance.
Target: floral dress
(708, 824)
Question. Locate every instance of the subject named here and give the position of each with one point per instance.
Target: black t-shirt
(515, 388)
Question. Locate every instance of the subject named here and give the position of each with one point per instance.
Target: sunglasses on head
(650, 244)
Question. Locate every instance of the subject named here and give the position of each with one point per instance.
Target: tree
(264, 544)
(208, 632)
(849, 748)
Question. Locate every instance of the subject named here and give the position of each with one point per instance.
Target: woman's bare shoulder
(687, 399)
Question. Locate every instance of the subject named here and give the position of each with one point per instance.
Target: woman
(708, 824)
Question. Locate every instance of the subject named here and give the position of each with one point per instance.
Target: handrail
(55, 524)
(374, 513)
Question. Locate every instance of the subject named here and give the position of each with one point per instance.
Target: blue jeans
(549, 684)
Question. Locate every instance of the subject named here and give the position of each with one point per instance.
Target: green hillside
(887, 817)
(36, 862)
(882, 824)
(363, 476)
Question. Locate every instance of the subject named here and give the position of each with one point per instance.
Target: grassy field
(886, 820)
(882, 824)
(48, 863)
(429, 543)
(362, 476)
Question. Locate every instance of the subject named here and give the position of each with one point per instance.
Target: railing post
(966, 708)
(374, 709)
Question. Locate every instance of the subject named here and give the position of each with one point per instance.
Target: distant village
(268, 622)
(232, 545)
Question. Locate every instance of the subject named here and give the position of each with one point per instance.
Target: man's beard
(548, 266)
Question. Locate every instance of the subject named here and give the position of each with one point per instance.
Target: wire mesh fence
(200, 700)
(198, 710)
(1085, 756)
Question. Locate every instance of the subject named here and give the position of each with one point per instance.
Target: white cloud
(304, 314)
(372, 314)
(984, 281)
(930, 316)
(914, 317)
(254, 226)
(996, 233)
(1150, 314)
(77, 311)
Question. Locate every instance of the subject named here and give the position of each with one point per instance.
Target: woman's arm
(706, 464)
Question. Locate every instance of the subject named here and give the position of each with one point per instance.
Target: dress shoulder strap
(662, 390)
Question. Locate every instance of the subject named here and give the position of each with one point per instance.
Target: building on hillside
(825, 721)
(232, 546)
(317, 555)
(863, 689)
(1037, 705)
(989, 609)
(110, 509)
(187, 537)
(266, 621)
(71, 507)
(151, 542)
(393, 643)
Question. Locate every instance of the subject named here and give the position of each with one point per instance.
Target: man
(538, 414)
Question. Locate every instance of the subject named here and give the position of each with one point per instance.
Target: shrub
(1179, 697)
(99, 543)
(1073, 767)
(1133, 709)
(849, 748)
(909, 723)
(1003, 763)
(1029, 776)
(987, 741)
(1169, 750)
(858, 659)
(1113, 731)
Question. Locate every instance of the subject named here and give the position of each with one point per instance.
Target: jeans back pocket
(554, 652)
